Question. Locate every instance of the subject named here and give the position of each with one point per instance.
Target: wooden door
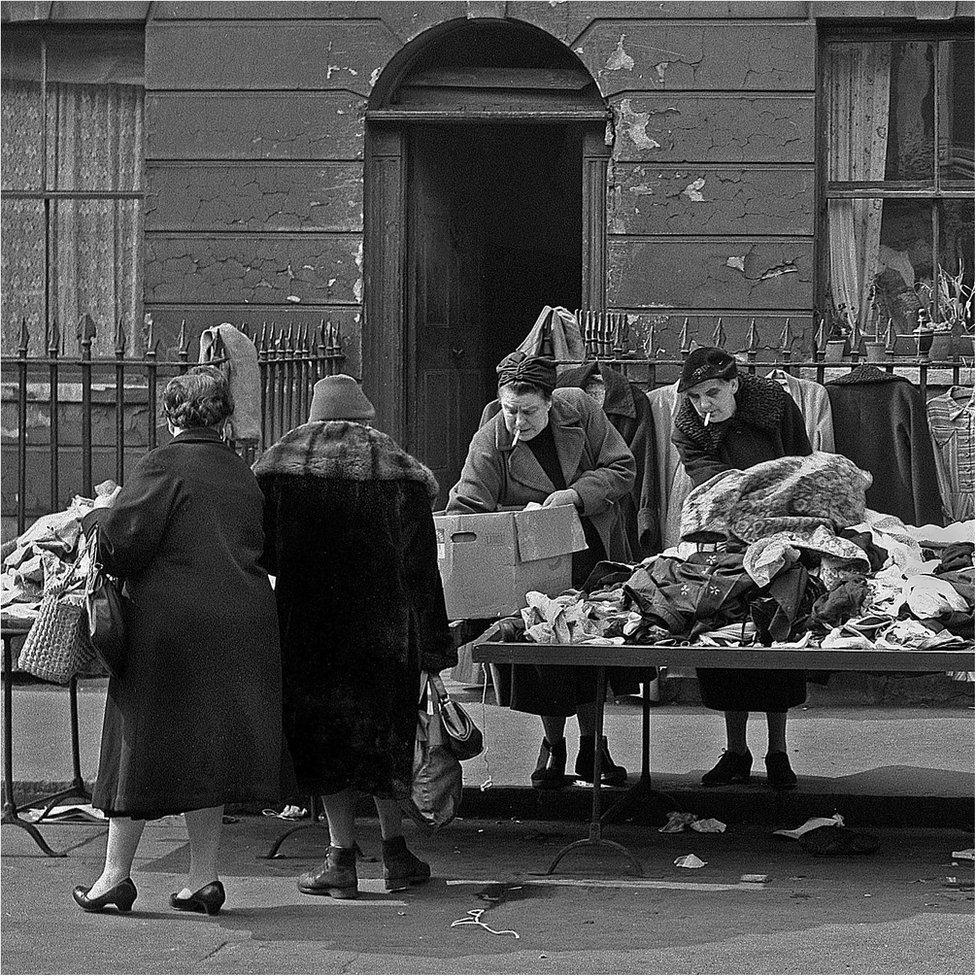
(445, 326)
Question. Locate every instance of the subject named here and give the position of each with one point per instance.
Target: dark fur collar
(867, 374)
(759, 403)
(344, 451)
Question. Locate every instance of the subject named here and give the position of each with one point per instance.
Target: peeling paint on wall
(619, 58)
(660, 69)
(693, 190)
(737, 262)
(635, 125)
(780, 270)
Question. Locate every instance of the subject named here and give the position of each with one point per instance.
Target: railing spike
(244, 330)
(86, 329)
(890, 335)
(121, 339)
(54, 341)
(718, 336)
(149, 330)
(786, 337)
(752, 337)
(182, 341)
(24, 336)
(683, 338)
(820, 337)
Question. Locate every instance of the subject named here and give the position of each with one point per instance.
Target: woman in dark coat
(552, 447)
(194, 720)
(350, 537)
(732, 420)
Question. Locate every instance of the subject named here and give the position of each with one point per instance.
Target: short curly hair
(199, 398)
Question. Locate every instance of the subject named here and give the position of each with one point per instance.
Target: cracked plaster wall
(657, 200)
(259, 196)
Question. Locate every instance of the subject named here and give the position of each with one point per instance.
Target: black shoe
(335, 876)
(401, 868)
(550, 769)
(610, 773)
(779, 774)
(207, 900)
(121, 896)
(733, 767)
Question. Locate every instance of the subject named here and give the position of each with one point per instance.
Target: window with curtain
(899, 182)
(72, 173)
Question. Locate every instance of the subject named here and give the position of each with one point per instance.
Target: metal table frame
(602, 657)
(77, 789)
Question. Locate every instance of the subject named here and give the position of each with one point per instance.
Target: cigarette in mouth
(708, 417)
(515, 439)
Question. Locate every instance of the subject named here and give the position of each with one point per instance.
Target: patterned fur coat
(349, 534)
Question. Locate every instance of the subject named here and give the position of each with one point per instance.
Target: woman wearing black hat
(349, 533)
(553, 447)
(726, 420)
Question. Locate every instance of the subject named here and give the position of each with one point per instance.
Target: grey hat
(340, 397)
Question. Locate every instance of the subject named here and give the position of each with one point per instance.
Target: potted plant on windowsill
(839, 332)
(955, 309)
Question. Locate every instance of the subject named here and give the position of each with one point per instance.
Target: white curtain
(859, 80)
(95, 142)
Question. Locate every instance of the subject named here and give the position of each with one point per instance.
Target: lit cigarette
(515, 439)
(708, 417)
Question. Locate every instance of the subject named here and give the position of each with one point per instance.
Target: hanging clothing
(243, 376)
(880, 423)
(951, 418)
(814, 404)
(673, 483)
(628, 409)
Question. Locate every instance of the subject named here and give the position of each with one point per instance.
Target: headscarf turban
(520, 368)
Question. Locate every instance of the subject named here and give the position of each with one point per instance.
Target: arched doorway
(485, 200)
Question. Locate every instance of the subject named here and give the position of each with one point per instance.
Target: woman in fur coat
(731, 420)
(349, 535)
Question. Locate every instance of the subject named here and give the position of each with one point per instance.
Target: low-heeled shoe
(207, 900)
(121, 896)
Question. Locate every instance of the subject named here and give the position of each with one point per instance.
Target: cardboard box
(489, 562)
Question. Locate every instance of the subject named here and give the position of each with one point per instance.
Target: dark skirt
(747, 690)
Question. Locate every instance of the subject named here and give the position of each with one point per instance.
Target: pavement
(898, 764)
(906, 909)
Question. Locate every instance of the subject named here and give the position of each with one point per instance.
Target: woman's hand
(568, 496)
(107, 501)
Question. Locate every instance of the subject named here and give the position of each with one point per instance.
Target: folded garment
(915, 635)
(767, 558)
(943, 536)
(788, 494)
(930, 596)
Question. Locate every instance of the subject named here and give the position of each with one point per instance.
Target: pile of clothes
(784, 553)
(41, 557)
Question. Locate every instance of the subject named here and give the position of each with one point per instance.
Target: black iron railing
(69, 390)
(630, 342)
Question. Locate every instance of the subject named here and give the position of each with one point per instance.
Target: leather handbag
(104, 612)
(464, 738)
(433, 796)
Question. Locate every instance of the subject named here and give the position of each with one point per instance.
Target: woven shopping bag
(55, 648)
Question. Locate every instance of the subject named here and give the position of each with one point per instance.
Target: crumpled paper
(689, 861)
(812, 824)
(677, 822)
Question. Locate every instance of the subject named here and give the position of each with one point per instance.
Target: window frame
(41, 34)
(862, 32)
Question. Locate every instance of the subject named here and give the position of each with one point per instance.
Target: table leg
(643, 786)
(10, 816)
(596, 838)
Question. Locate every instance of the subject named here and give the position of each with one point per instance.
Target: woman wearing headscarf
(193, 721)
(349, 533)
(727, 419)
(553, 447)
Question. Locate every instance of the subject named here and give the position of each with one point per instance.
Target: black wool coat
(629, 410)
(767, 425)
(195, 719)
(880, 423)
(350, 538)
